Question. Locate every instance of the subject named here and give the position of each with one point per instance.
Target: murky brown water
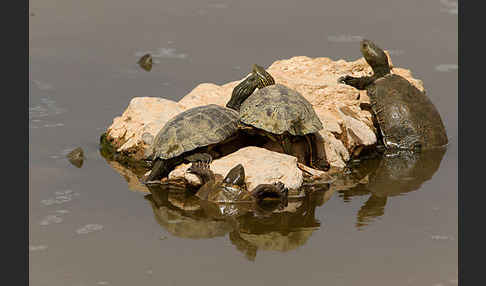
(398, 227)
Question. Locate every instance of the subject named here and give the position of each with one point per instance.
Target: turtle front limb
(287, 145)
(357, 82)
(161, 169)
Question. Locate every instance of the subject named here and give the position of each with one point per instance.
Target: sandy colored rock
(261, 167)
(346, 126)
(143, 115)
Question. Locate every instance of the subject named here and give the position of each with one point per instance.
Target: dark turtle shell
(406, 116)
(196, 127)
(278, 109)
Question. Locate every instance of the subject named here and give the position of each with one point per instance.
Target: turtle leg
(285, 197)
(161, 168)
(286, 145)
(314, 161)
(357, 82)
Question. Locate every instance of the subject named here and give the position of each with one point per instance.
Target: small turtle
(280, 111)
(76, 157)
(145, 62)
(183, 137)
(405, 115)
(232, 189)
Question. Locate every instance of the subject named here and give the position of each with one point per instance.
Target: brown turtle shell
(405, 115)
(278, 109)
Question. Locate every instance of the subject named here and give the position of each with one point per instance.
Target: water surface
(89, 227)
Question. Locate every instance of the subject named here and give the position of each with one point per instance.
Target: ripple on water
(450, 7)
(441, 237)
(170, 53)
(50, 219)
(46, 108)
(61, 197)
(446, 67)
(42, 85)
(344, 38)
(37, 247)
(89, 228)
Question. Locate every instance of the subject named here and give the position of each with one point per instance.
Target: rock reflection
(250, 227)
(387, 176)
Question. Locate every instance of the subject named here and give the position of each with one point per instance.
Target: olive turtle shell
(405, 114)
(278, 109)
(196, 127)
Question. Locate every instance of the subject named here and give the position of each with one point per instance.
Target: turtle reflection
(187, 219)
(250, 227)
(390, 175)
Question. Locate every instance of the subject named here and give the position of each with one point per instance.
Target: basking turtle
(189, 136)
(281, 112)
(232, 188)
(405, 115)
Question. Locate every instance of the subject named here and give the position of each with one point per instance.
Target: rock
(76, 157)
(143, 115)
(347, 127)
(261, 167)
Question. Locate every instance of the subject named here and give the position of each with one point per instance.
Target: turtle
(405, 116)
(76, 157)
(145, 62)
(232, 189)
(279, 111)
(189, 137)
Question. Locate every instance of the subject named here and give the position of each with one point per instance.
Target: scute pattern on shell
(196, 127)
(405, 114)
(277, 109)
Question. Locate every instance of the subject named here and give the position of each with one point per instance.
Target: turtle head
(259, 78)
(264, 78)
(236, 176)
(375, 57)
(242, 91)
(280, 186)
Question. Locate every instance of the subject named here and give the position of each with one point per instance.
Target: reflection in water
(390, 175)
(252, 227)
(249, 227)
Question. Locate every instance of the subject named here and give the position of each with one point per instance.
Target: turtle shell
(405, 115)
(196, 127)
(278, 109)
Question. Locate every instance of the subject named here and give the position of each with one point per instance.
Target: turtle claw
(349, 80)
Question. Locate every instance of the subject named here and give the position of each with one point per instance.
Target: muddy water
(87, 227)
